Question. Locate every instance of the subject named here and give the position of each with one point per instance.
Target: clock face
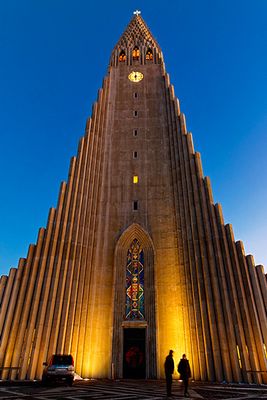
(135, 76)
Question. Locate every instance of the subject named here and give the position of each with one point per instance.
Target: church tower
(136, 259)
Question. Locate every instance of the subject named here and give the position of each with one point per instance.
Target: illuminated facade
(136, 259)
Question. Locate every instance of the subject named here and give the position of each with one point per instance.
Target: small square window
(135, 179)
(135, 155)
(135, 205)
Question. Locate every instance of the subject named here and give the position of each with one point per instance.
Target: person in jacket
(185, 373)
(169, 369)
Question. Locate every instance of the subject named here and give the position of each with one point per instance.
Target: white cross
(137, 12)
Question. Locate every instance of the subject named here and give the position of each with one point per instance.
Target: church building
(136, 259)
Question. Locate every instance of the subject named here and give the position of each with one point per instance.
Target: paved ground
(126, 389)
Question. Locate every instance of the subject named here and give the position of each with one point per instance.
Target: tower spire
(137, 35)
(136, 253)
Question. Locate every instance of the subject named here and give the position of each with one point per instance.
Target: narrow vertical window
(135, 155)
(135, 113)
(134, 307)
(135, 95)
(135, 132)
(135, 205)
(135, 179)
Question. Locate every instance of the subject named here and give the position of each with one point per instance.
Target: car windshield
(61, 360)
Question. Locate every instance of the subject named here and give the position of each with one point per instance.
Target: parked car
(59, 368)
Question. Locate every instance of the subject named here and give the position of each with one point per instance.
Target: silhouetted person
(169, 369)
(185, 372)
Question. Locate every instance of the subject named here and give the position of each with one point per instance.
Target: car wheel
(70, 381)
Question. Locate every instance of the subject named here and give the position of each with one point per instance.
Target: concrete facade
(202, 295)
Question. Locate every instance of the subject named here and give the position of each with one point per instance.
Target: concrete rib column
(47, 288)
(250, 341)
(234, 304)
(18, 348)
(55, 280)
(10, 313)
(190, 331)
(95, 336)
(200, 276)
(68, 301)
(190, 325)
(203, 334)
(58, 279)
(189, 253)
(6, 297)
(206, 275)
(76, 246)
(73, 223)
(31, 327)
(64, 271)
(213, 272)
(252, 309)
(259, 303)
(8, 341)
(229, 338)
(3, 281)
(85, 334)
(82, 243)
(81, 255)
(263, 284)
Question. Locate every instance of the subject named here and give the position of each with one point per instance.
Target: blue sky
(53, 57)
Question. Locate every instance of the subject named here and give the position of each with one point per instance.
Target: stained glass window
(135, 282)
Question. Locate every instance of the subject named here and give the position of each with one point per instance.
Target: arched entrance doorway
(134, 332)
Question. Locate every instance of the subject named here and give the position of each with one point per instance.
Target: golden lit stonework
(135, 76)
(136, 258)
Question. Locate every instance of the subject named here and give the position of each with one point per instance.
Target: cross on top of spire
(137, 12)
